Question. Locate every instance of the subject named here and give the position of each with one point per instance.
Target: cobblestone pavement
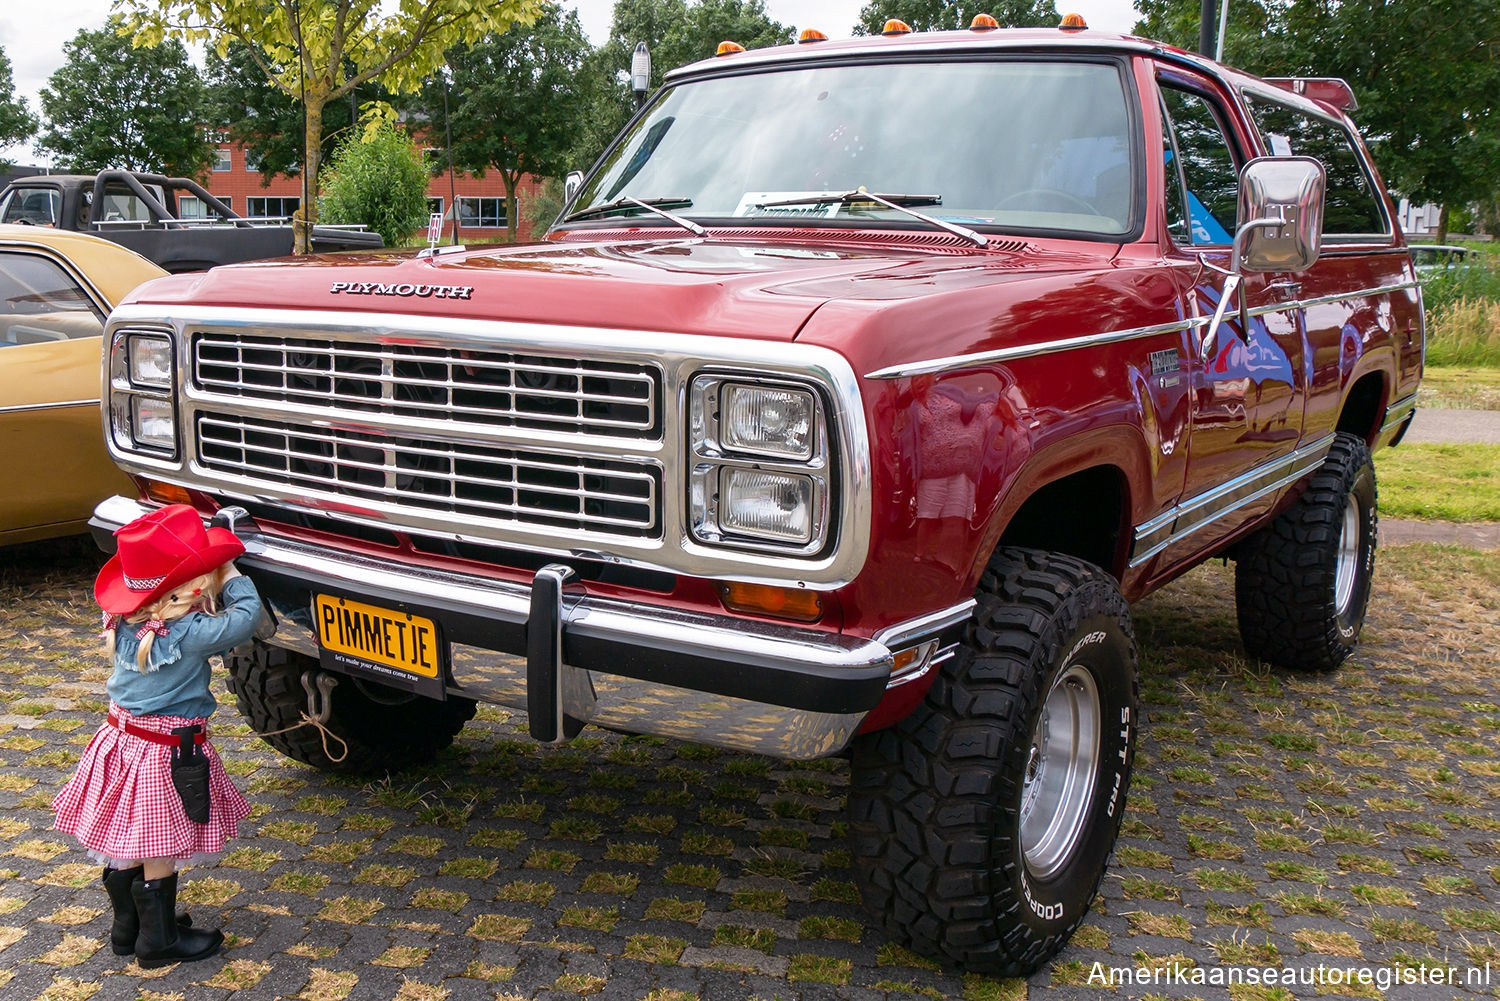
(1298, 822)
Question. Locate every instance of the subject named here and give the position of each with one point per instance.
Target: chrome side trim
(904, 634)
(956, 362)
(679, 358)
(953, 363)
(1203, 509)
(1398, 412)
(48, 406)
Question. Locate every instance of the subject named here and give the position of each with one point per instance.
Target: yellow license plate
(398, 641)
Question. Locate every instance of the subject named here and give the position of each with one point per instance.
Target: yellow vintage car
(55, 290)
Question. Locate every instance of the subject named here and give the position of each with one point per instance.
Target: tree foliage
(379, 180)
(113, 106)
(265, 120)
(513, 106)
(17, 123)
(950, 15)
(1427, 77)
(318, 51)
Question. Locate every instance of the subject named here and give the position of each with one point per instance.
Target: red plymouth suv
(857, 391)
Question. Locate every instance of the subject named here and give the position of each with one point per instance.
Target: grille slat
(464, 480)
(481, 386)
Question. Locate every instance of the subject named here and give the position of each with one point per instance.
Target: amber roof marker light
(983, 22)
(895, 27)
(728, 48)
(1073, 22)
(811, 35)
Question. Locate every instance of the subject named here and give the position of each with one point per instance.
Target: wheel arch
(1362, 409)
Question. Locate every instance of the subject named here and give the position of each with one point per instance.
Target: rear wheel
(385, 729)
(982, 823)
(1302, 583)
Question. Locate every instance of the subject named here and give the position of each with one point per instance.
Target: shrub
(378, 181)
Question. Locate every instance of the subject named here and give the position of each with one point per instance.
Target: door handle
(1287, 291)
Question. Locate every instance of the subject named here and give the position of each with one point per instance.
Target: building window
(252, 162)
(223, 159)
(481, 212)
(270, 205)
(193, 207)
(434, 205)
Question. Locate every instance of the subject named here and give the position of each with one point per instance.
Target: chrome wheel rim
(1347, 566)
(1060, 771)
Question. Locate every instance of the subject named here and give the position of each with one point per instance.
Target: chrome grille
(469, 480)
(474, 386)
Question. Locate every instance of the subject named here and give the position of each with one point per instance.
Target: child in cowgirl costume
(149, 789)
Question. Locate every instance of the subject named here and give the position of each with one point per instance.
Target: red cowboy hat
(158, 551)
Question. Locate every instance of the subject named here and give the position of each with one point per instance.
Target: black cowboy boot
(127, 924)
(161, 941)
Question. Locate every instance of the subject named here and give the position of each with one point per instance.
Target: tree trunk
(1442, 231)
(510, 177)
(312, 156)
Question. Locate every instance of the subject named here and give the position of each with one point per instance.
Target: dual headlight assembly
(142, 401)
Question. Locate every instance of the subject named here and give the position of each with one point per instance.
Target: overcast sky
(32, 33)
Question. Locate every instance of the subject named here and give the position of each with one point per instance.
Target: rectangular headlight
(149, 362)
(767, 420)
(777, 506)
(153, 423)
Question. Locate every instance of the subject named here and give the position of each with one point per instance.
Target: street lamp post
(640, 72)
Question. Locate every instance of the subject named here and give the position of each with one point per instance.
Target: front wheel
(982, 823)
(384, 729)
(1301, 584)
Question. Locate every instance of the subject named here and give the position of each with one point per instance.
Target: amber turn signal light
(983, 22)
(167, 493)
(811, 35)
(1073, 22)
(896, 27)
(794, 603)
(728, 48)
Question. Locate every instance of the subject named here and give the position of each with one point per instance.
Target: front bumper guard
(571, 658)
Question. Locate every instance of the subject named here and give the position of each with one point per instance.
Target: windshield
(1014, 144)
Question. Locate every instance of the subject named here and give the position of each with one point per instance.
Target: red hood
(734, 287)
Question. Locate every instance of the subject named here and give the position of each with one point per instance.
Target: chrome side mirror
(571, 184)
(1280, 214)
(1280, 228)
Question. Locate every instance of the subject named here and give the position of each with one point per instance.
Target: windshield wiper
(656, 205)
(900, 203)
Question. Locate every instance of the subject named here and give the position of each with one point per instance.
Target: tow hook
(319, 704)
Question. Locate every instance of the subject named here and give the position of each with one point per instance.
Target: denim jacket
(175, 682)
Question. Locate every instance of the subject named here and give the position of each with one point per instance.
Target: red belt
(152, 735)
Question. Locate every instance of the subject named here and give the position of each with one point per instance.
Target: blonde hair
(201, 594)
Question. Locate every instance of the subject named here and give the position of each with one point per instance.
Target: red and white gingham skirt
(121, 802)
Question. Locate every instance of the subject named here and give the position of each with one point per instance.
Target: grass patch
(1440, 482)
(1466, 331)
(1455, 388)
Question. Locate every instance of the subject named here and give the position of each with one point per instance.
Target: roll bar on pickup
(159, 212)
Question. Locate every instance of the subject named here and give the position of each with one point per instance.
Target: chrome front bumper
(574, 658)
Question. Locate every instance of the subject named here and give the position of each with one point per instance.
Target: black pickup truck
(172, 221)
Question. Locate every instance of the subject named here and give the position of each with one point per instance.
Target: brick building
(234, 180)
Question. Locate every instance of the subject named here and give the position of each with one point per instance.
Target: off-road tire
(381, 735)
(936, 800)
(1285, 580)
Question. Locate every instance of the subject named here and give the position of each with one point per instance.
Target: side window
(1176, 202)
(1208, 167)
(33, 206)
(41, 302)
(1352, 207)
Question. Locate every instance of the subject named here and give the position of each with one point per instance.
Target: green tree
(266, 121)
(111, 105)
(1426, 76)
(513, 107)
(379, 180)
(950, 15)
(318, 51)
(17, 123)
